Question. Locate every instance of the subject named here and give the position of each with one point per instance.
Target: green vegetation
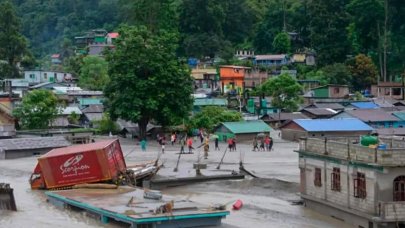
(285, 92)
(147, 79)
(335, 29)
(211, 116)
(37, 110)
(106, 125)
(13, 46)
(93, 73)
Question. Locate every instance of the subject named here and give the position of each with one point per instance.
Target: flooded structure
(136, 208)
(7, 201)
(361, 185)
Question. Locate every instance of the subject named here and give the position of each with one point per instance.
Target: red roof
(113, 34)
(78, 148)
(55, 56)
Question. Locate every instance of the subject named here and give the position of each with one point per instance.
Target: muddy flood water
(267, 200)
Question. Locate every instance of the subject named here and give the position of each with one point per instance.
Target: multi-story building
(358, 184)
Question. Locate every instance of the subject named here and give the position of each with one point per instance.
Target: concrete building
(362, 186)
(388, 90)
(38, 76)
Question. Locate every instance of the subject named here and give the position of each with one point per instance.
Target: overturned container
(101, 161)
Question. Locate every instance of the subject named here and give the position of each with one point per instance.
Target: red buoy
(237, 205)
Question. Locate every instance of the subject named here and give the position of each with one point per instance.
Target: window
(335, 184)
(399, 188)
(32, 76)
(396, 91)
(359, 184)
(45, 76)
(336, 90)
(318, 177)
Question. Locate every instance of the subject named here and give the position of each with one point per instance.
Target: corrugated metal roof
(89, 101)
(320, 111)
(93, 109)
(270, 57)
(320, 125)
(284, 116)
(207, 102)
(364, 105)
(334, 106)
(33, 143)
(400, 115)
(372, 115)
(256, 126)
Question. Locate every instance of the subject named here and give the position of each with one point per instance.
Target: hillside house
(330, 91)
(205, 78)
(56, 59)
(388, 90)
(38, 76)
(271, 60)
(298, 128)
(278, 119)
(232, 77)
(362, 186)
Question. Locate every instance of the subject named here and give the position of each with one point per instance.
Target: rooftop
(320, 111)
(270, 57)
(364, 105)
(210, 102)
(241, 127)
(283, 116)
(372, 115)
(323, 125)
(33, 143)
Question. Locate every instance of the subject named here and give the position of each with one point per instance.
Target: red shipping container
(88, 163)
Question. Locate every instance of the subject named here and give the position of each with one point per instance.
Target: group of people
(266, 143)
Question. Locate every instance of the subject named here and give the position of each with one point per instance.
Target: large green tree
(337, 73)
(94, 73)
(37, 110)
(13, 46)
(284, 91)
(282, 43)
(211, 116)
(328, 20)
(364, 72)
(147, 81)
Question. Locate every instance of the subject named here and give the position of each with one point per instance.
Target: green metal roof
(89, 101)
(256, 126)
(400, 115)
(210, 102)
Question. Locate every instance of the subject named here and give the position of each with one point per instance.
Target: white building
(39, 76)
(357, 184)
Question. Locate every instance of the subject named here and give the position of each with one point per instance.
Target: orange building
(232, 77)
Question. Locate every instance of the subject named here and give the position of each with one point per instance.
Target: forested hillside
(335, 29)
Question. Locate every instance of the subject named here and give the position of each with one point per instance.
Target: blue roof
(319, 125)
(364, 105)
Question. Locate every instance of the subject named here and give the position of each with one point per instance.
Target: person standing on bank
(216, 144)
(190, 144)
(182, 144)
(255, 144)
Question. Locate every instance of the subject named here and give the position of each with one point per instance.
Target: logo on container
(72, 166)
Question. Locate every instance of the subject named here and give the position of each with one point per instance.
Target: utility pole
(385, 40)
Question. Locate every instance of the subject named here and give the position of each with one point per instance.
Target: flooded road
(267, 201)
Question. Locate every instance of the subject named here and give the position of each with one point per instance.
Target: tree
(147, 80)
(282, 43)
(94, 73)
(211, 116)
(13, 45)
(364, 72)
(37, 110)
(284, 90)
(327, 27)
(337, 73)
